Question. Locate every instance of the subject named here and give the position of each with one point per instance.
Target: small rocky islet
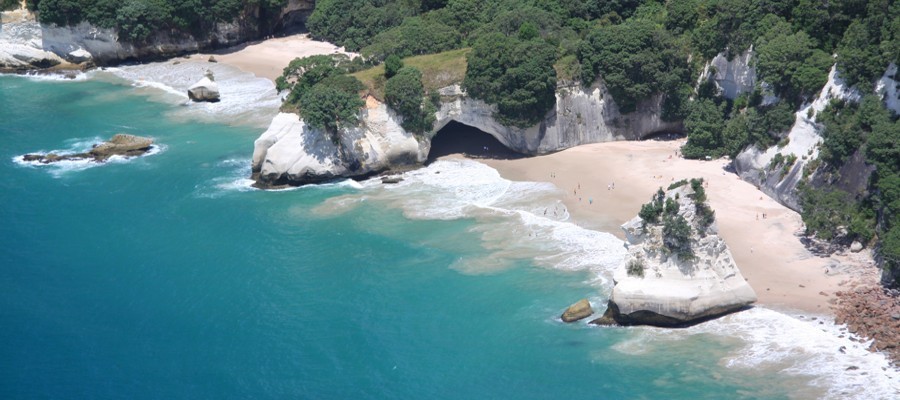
(121, 144)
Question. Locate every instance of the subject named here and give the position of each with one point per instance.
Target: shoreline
(605, 184)
(267, 58)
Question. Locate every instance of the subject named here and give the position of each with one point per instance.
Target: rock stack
(675, 279)
(206, 89)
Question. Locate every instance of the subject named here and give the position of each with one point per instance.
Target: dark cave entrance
(664, 136)
(457, 138)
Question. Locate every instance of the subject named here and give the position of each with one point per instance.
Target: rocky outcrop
(291, 152)
(121, 144)
(777, 179)
(26, 44)
(888, 87)
(732, 77)
(657, 286)
(873, 313)
(582, 115)
(578, 311)
(206, 89)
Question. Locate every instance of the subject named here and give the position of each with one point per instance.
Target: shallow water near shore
(166, 276)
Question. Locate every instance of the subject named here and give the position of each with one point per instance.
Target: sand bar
(784, 274)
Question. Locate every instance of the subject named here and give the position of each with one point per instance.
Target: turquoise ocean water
(167, 277)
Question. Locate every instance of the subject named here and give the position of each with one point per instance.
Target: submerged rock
(206, 89)
(580, 310)
(121, 144)
(657, 286)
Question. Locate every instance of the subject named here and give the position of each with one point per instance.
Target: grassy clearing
(438, 70)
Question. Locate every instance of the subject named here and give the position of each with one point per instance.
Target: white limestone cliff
(291, 152)
(580, 116)
(733, 77)
(803, 140)
(674, 291)
(26, 44)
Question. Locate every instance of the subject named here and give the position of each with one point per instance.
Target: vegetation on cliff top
(676, 230)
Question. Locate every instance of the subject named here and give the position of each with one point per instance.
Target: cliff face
(778, 181)
(291, 152)
(581, 116)
(27, 44)
(657, 287)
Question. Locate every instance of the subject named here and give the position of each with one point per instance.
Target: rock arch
(458, 138)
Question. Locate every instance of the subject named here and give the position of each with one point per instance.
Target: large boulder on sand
(580, 310)
(657, 286)
(206, 89)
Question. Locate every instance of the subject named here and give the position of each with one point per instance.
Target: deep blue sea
(168, 277)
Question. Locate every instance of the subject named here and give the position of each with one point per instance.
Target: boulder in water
(121, 144)
(206, 89)
(580, 310)
(79, 56)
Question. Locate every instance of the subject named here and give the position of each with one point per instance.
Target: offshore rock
(675, 291)
(206, 89)
(121, 144)
(580, 310)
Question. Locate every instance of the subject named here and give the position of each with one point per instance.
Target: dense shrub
(332, 104)
(392, 65)
(677, 236)
(405, 94)
(635, 59)
(416, 35)
(516, 75)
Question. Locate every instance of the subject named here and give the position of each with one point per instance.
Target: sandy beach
(267, 58)
(605, 185)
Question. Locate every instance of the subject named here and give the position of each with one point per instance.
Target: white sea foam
(80, 145)
(512, 224)
(72, 76)
(245, 98)
(515, 220)
(813, 350)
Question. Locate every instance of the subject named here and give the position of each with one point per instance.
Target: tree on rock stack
(332, 104)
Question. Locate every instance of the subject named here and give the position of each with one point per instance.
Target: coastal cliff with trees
(803, 94)
(78, 34)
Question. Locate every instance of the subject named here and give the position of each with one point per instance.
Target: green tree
(677, 236)
(704, 125)
(859, 57)
(9, 5)
(392, 65)
(792, 64)
(303, 73)
(517, 76)
(330, 106)
(405, 94)
(635, 59)
(416, 35)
